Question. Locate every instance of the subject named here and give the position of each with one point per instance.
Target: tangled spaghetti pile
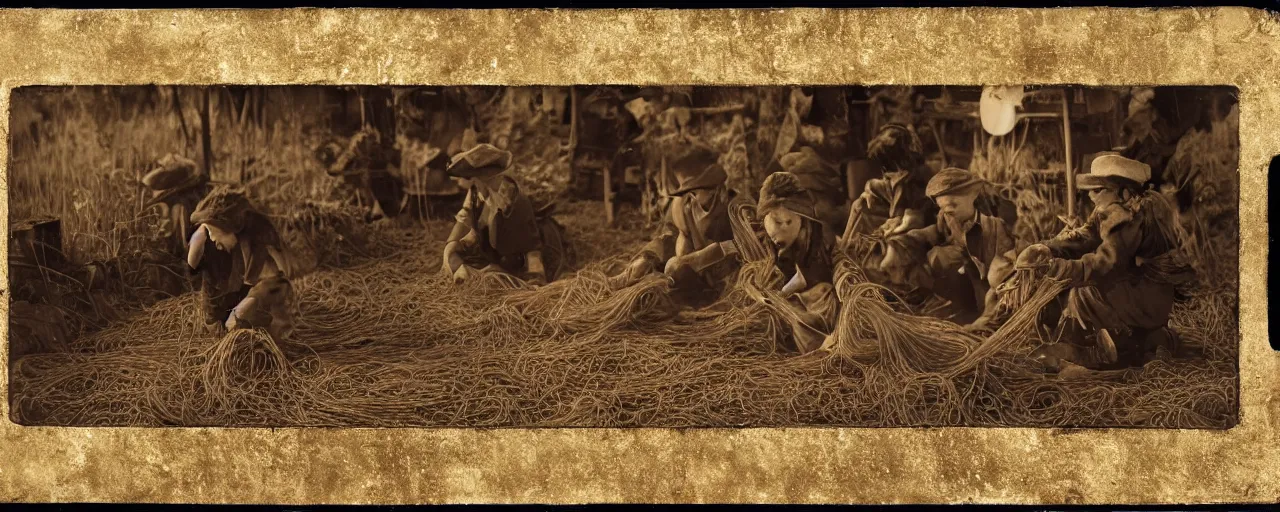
(392, 342)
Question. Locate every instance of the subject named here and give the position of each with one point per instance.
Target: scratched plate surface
(1235, 47)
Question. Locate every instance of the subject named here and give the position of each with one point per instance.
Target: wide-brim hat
(782, 190)
(696, 166)
(482, 161)
(172, 171)
(951, 181)
(1110, 169)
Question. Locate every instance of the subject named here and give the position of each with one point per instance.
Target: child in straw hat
(497, 224)
(803, 246)
(694, 245)
(176, 187)
(1126, 269)
(242, 264)
(967, 253)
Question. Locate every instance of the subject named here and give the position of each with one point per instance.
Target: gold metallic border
(1228, 46)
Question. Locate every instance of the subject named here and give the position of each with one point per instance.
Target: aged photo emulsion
(622, 256)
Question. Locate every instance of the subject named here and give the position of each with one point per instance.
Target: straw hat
(171, 171)
(952, 181)
(696, 167)
(1111, 168)
(172, 174)
(782, 190)
(482, 161)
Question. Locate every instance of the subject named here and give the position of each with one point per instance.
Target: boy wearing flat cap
(1126, 267)
(966, 252)
(497, 224)
(804, 255)
(242, 264)
(694, 245)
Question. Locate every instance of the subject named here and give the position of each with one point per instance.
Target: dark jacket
(700, 226)
(1130, 254)
(888, 198)
(505, 224)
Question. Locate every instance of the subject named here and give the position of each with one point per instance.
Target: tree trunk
(378, 106)
(182, 119)
(206, 129)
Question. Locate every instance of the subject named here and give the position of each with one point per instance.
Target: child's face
(934, 161)
(783, 227)
(704, 196)
(225, 240)
(958, 206)
(1103, 196)
(482, 185)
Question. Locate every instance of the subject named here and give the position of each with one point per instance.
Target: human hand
(673, 265)
(461, 275)
(892, 258)
(639, 268)
(1033, 256)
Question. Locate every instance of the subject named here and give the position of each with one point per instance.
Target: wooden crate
(38, 241)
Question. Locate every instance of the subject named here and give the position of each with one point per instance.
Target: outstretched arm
(1118, 243)
(901, 248)
(1074, 242)
(462, 236)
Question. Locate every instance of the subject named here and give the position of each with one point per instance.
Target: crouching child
(497, 227)
(802, 246)
(242, 266)
(967, 254)
(694, 245)
(1126, 269)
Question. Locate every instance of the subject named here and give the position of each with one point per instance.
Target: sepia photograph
(624, 256)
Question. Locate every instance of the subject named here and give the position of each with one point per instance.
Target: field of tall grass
(79, 156)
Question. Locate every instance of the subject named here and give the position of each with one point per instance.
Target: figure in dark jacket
(967, 253)
(1126, 267)
(177, 188)
(367, 171)
(694, 244)
(497, 226)
(895, 203)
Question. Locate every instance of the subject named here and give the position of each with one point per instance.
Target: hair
(896, 147)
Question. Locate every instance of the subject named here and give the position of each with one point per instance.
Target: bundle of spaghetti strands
(393, 341)
(871, 330)
(1029, 297)
(586, 303)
